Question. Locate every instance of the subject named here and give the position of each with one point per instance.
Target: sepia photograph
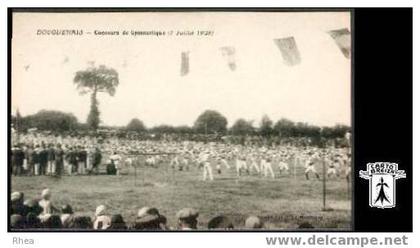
(181, 120)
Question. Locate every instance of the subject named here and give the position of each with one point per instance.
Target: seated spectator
(220, 222)
(187, 218)
(32, 206)
(148, 219)
(117, 223)
(17, 203)
(51, 221)
(46, 203)
(66, 213)
(253, 222)
(17, 221)
(78, 222)
(32, 221)
(102, 221)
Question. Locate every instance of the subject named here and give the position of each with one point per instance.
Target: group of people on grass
(42, 214)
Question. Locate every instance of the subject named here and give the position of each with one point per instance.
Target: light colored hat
(46, 193)
(187, 213)
(143, 211)
(100, 210)
(16, 196)
(253, 222)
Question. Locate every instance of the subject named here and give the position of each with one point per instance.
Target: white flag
(185, 63)
(289, 50)
(229, 54)
(342, 38)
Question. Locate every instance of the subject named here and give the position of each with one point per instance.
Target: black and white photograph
(181, 121)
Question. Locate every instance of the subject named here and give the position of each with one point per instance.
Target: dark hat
(17, 221)
(32, 221)
(117, 222)
(80, 222)
(147, 222)
(66, 209)
(32, 206)
(52, 221)
(220, 222)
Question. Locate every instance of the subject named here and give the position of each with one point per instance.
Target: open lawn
(282, 203)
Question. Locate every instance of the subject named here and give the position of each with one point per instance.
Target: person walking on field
(204, 160)
(310, 166)
(266, 164)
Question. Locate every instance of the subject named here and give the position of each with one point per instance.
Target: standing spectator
(71, 158)
(81, 160)
(115, 160)
(58, 163)
(51, 160)
(29, 154)
(35, 159)
(97, 157)
(43, 159)
(18, 157)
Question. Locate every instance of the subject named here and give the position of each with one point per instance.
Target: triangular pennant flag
(342, 38)
(289, 50)
(185, 63)
(229, 54)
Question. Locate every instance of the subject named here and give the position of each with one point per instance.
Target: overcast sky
(151, 88)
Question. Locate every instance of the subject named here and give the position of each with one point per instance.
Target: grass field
(282, 203)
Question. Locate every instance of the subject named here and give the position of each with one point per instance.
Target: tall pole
(323, 184)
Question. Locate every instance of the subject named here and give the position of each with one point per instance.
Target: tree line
(209, 122)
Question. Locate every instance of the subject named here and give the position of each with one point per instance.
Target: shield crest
(382, 178)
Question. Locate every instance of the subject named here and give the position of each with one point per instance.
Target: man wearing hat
(220, 222)
(45, 202)
(17, 200)
(51, 159)
(18, 156)
(149, 219)
(102, 220)
(187, 219)
(59, 161)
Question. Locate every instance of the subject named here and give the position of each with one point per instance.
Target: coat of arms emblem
(382, 178)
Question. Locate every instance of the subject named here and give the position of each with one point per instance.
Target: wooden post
(135, 175)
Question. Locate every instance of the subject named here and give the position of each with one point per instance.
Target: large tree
(242, 127)
(50, 120)
(285, 128)
(92, 81)
(266, 126)
(136, 125)
(210, 122)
